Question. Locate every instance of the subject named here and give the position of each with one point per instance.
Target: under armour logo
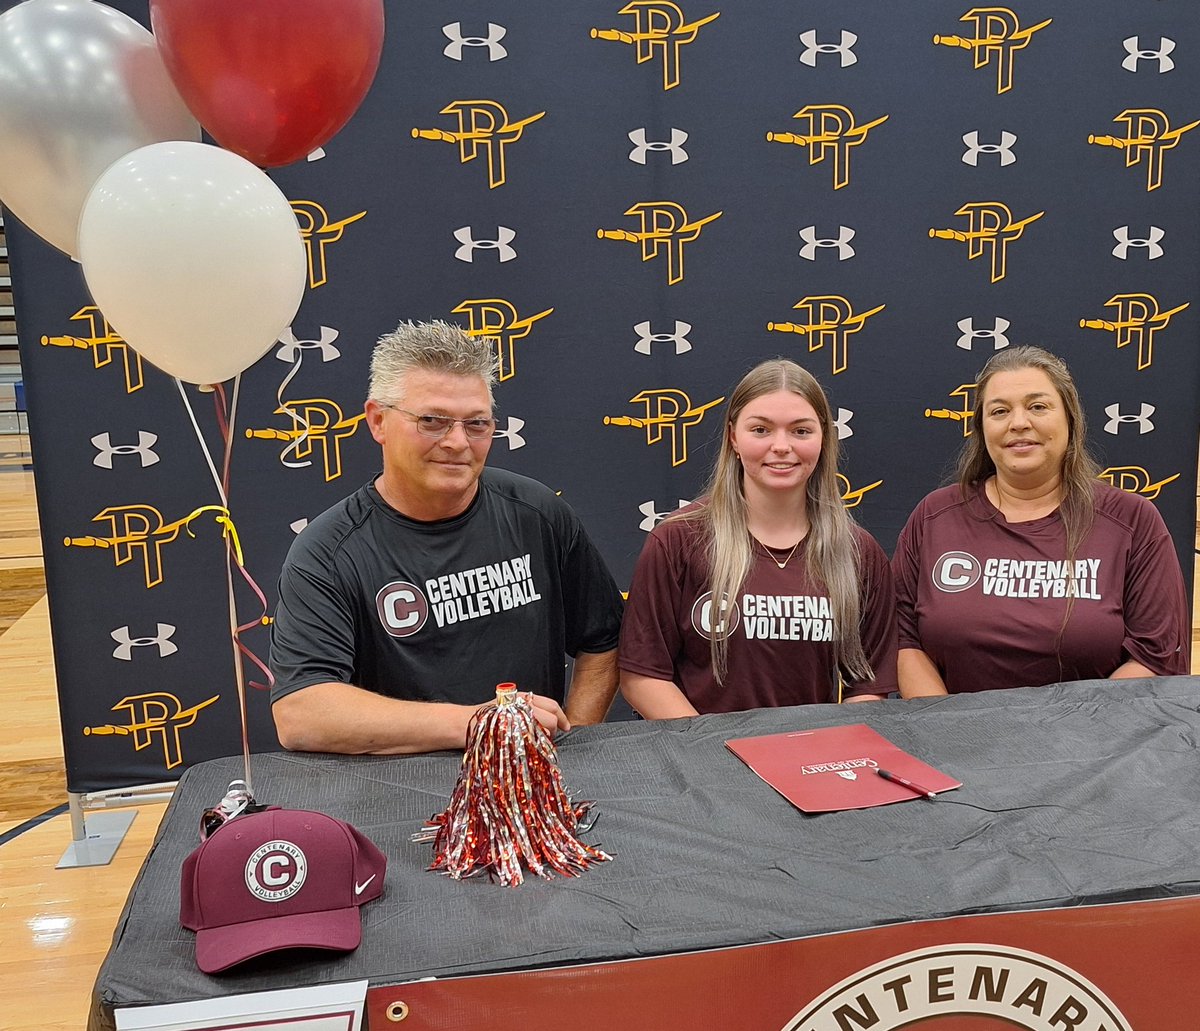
(811, 242)
(970, 334)
(647, 339)
(454, 48)
(504, 236)
(1116, 418)
(1150, 243)
(292, 347)
(842, 422)
(1136, 54)
(975, 148)
(652, 516)
(512, 433)
(126, 644)
(675, 147)
(103, 444)
(298, 525)
(843, 49)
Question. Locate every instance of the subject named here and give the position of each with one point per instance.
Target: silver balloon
(81, 85)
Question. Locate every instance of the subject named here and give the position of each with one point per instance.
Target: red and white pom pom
(509, 809)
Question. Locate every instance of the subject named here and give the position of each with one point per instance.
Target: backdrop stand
(96, 838)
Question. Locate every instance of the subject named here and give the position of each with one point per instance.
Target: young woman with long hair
(764, 592)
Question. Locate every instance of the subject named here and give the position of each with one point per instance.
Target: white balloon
(194, 256)
(80, 85)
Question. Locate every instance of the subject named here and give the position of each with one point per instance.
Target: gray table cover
(1073, 794)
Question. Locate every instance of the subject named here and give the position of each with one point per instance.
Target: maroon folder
(834, 768)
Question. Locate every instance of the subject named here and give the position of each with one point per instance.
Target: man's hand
(548, 713)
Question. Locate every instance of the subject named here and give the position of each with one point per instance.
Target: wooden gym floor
(56, 925)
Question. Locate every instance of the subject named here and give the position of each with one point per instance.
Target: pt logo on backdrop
(316, 422)
(828, 319)
(1148, 136)
(1136, 320)
(998, 37)
(1012, 986)
(139, 530)
(318, 232)
(154, 716)
(852, 496)
(828, 131)
(965, 392)
(664, 229)
(668, 412)
(497, 319)
(103, 343)
(990, 226)
(660, 28)
(1134, 479)
(483, 127)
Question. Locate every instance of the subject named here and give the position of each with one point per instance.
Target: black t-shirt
(443, 611)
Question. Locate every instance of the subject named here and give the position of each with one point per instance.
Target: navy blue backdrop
(648, 200)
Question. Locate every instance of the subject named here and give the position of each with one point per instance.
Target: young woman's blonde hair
(831, 550)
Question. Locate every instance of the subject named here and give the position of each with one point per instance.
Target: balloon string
(232, 554)
(296, 444)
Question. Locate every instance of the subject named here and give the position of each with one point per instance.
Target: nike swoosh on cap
(360, 888)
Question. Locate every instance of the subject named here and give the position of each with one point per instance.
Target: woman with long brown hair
(764, 592)
(1030, 570)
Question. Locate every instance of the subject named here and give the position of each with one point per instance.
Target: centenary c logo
(990, 225)
(828, 131)
(276, 871)
(1136, 321)
(318, 233)
(402, 607)
(665, 227)
(1134, 479)
(160, 715)
(956, 571)
(659, 28)
(103, 343)
(497, 319)
(483, 125)
(668, 410)
(829, 319)
(709, 620)
(933, 986)
(965, 392)
(315, 421)
(1148, 135)
(998, 36)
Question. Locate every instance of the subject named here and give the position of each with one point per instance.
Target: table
(1073, 844)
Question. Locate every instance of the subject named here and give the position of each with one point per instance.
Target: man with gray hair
(403, 606)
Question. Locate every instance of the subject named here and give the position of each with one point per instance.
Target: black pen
(897, 779)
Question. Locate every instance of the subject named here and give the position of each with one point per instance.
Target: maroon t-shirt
(985, 598)
(780, 646)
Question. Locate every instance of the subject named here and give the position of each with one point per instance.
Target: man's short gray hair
(433, 346)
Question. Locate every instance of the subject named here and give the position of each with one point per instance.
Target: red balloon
(271, 80)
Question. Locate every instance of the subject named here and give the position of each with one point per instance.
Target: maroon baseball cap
(278, 879)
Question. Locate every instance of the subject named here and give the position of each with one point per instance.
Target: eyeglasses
(439, 425)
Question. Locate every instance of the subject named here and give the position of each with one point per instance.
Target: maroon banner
(1104, 968)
